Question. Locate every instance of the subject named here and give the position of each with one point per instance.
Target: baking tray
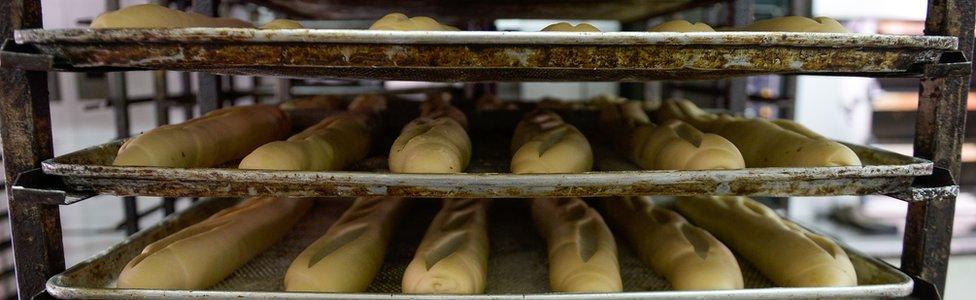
(517, 265)
(91, 170)
(484, 55)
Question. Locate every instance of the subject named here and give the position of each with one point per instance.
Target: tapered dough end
(564, 26)
(277, 155)
(282, 24)
(585, 282)
(693, 279)
(431, 160)
(166, 273)
(823, 277)
(136, 156)
(448, 276)
(681, 26)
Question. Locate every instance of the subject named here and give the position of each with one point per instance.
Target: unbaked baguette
(219, 136)
(582, 252)
(681, 26)
(332, 144)
(764, 143)
(431, 146)
(349, 255)
(439, 105)
(797, 24)
(453, 256)
(533, 124)
(156, 16)
(565, 26)
(203, 254)
(787, 254)
(282, 24)
(398, 21)
(688, 256)
(671, 146)
(552, 147)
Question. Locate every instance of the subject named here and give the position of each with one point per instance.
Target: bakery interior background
(859, 110)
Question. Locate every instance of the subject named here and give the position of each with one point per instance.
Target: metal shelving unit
(944, 69)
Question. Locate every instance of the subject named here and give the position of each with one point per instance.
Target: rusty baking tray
(485, 56)
(91, 170)
(517, 265)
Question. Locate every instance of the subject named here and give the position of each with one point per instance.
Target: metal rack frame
(36, 227)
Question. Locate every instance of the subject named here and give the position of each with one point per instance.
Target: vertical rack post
(208, 85)
(939, 131)
(162, 103)
(35, 228)
(118, 94)
(740, 13)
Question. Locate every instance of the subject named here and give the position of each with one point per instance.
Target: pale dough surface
(688, 256)
(156, 16)
(681, 26)
(219, 136)
(333, 144)
(351, 252)
(543, 144)
(398, 21)
(764, 143)
(564, 26)
(787, 254)
(205, 253)
(797, 24)
(582, 251)
(453, 255)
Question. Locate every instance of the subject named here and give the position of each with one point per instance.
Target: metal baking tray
(484, 55)
(91, 170)
(517, 265)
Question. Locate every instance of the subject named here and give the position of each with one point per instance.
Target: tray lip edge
(348, 36)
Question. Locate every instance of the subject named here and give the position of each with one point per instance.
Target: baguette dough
(333, 144)
(156, 16)
(555, 147)
(797, 24)
(205, 253)
(681, 26)
(351, 252)
(439, 105)
(764, 143)
(582, 252)
(282, 24)
(431, 146)
(671, 146)
(368, 104)
(398, 21)
(329, 102)
(219, 136)
(688, 256)
(564, 26)
(453, 256)
(787, 254)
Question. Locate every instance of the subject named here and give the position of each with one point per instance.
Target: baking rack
(941, 59)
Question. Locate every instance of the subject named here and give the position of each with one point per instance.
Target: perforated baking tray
(487, 56)
(517, 265)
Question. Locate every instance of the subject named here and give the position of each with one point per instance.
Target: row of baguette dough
(453, 255)
(437, 141)
(156, 16)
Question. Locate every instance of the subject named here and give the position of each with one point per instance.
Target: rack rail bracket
(23, 57)
(35, 186)
(939, 184)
